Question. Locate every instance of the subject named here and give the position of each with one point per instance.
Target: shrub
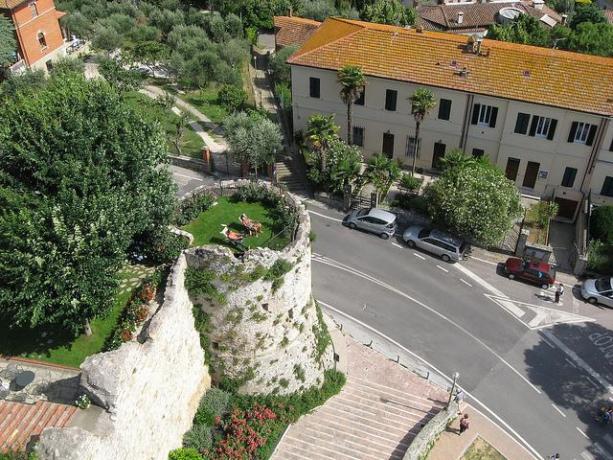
(411, 202)
(191, 207)
(200, 283)
(232, 97)
(185, 454)
(410, 183)
(543, 211)
(600, 257)
(199, 438)
(158, 246)
(601, 224)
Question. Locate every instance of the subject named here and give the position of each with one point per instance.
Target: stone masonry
(150, 389)
(265, 333)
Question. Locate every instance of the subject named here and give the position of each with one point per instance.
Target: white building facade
(548, 151)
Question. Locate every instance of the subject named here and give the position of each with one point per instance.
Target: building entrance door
(532, 171)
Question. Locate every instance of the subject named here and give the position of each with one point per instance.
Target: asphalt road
(442, 314)
(541, 383)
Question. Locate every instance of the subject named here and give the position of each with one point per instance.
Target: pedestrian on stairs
(464, 424)
(559, 292)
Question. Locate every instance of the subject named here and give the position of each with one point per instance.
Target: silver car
(445, 246)
(598, 291)
(373, 220)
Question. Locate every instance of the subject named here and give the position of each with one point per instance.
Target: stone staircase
(290, 177)
(366, 421)
(19, 422)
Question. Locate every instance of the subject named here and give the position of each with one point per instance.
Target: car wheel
(352, 226)
(544, 286)
(592, 300)
(511, 276)
(384, 236)
(445, 258)
(411, 243)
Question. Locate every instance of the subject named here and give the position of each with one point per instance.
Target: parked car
(446, 246)
(373, 220)
(533, 271)
(598, 290)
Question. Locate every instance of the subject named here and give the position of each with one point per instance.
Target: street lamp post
(453, 385)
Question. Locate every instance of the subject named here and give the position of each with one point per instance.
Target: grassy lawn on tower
(207, 227)
(54, 345)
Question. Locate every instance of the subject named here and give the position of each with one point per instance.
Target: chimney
(460, 17)
(538, 4)
(478, 43)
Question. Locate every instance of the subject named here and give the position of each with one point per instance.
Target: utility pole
(453, 385)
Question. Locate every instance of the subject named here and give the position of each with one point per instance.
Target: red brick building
(38, 32)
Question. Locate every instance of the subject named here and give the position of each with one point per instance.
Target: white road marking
(341, 266)
(419, 255)
(551, 345)
(568, 360)
(602, 452)
(592, 381)
(466, 283)
(189, 177)
(441, 268)
(608, 439)
(580, 362)
(324, 216)
(586, 455)
(532, 450)
(581, 431)
(484, 261)
(397, 245)
(558, 409)
(480, 280)
(508, 306)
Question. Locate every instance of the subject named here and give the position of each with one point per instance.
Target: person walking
(459, 398)
(464, 424)
(559, 292)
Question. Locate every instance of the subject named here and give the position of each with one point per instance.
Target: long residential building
(542, 115)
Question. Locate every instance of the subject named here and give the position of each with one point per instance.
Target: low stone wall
(150, 389)
(422, 443)
(194, 164)
(264, 331)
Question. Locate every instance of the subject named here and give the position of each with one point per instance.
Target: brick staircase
(19, 422)
(289, 177)
(366, 421)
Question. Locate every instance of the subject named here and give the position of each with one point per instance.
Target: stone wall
(150, 389)
(425, 439)
(264, 332)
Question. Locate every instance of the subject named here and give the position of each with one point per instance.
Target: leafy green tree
(409, 183)
(344, 165)
(72, 205)
(587, 12)
(352, 81)
(281, 72)
(106, 39)
(232, 97)
(389, 12)
(121, 79)
(8, 45)
(526, 29)
(179, 138)
(422, 101)
(592, 39)
(456, 158)
(382, 172)
(318, 9)
(601, 224)
(474, 200)
(16, 83)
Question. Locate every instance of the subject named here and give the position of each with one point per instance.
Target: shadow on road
(571, 388)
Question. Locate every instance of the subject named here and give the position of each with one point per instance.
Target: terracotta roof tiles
(507, 70)
(291, 30)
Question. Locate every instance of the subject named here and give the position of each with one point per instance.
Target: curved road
(441, 312)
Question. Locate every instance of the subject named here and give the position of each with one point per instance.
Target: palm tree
(352, 82)
(321, 130)
(456, 159)
(422, 101)
(382, 172)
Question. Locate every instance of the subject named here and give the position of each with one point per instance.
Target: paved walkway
(451, 445)
(376, 415)
(202, 126)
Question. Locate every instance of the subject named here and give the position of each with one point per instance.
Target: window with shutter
(360, 99)
(607, 186)
(582, 133)
(391, 95)
(484, 115)
(411, 147)
(522, 122)
(388, 145)
(314, 88)
(478, 153)
(358, 136)
(543, 127)
(444, 109)
(569, 177)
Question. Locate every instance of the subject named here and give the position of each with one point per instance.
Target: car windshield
(424, 233)
(362, 212)
(603, 284)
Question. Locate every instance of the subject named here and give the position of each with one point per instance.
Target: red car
(533, 271)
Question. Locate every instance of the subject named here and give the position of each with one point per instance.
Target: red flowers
(245, 431)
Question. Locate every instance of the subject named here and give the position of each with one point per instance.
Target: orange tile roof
(10, 4)
(292, 30)
(539, 75)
